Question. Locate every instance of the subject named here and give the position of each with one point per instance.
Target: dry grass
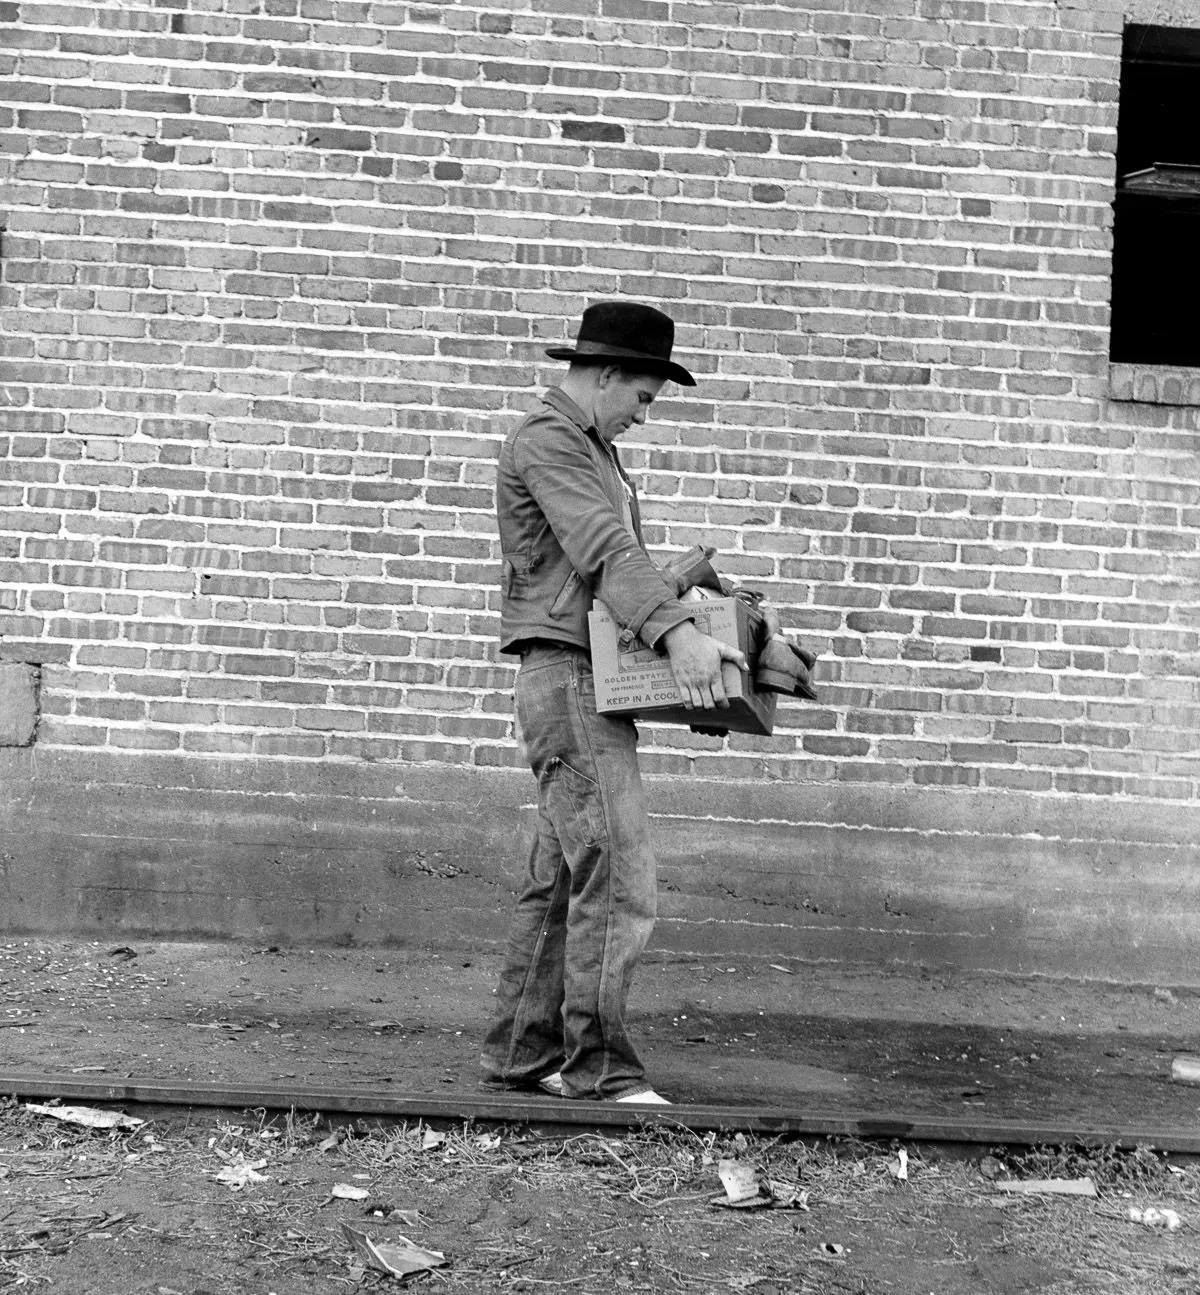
(596, 1213)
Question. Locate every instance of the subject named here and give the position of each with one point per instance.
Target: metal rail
(518, 1108)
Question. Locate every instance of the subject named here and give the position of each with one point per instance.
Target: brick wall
(276, 275)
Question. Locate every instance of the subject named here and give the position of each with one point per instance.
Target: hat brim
(639, 360)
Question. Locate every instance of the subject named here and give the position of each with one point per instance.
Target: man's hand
(696, 664)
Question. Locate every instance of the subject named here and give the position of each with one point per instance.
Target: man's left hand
(696, 664)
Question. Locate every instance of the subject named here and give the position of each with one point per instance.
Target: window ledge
(1154, 384)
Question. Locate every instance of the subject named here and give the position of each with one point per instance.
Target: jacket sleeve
(562, 476)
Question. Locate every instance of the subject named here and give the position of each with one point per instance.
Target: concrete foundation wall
(423, 856)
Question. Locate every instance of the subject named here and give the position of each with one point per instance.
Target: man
(570, 530)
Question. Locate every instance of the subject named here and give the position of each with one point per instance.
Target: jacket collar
(564, 405)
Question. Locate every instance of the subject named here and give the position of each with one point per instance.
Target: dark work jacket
(561, 500)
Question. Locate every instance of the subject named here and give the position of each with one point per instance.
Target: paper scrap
(1050, 1186)
(787, 1196)
(241, 1173)
(1154, 1217)
(747, 1188)
(740, 1180)
(87, 1116)
(399, 1256)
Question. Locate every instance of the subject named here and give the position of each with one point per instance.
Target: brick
(820, 744)
(516, 73)
(336, 138)
(257, 665)
(946, 776)
(594, 132)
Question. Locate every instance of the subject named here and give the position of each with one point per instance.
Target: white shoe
(551, 1084)
(643, 1097)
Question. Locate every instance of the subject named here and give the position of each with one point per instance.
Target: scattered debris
(742, 1183)
(991, 1168)
(1048, 1186)
(15, 1025)
(399, 1256)
(1155, 1217)
(432, 1139)
(668, 1172)
(1185, 1070)
(240, 1172)
(87, 1116)
(410, 1218)
(124, 952)
(899, 1167)
(746, 1282)
(746, 1187)
(776, 967)
(348, 1192)
(787, 1196)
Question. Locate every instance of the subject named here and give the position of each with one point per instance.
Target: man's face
(622, 400)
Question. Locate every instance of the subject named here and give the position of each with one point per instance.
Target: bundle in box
(633, 679)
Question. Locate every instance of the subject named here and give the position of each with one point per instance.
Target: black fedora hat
(626, 333)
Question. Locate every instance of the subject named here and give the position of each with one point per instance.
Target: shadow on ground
(737, 1032)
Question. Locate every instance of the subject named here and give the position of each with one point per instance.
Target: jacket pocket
(565, 595)
(515, 571)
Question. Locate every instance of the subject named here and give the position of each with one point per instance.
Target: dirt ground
(726, 1032)
(94, 1212)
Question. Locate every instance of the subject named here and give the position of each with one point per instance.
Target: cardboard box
(633, 679)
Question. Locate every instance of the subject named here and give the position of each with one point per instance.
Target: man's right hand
(696, 664)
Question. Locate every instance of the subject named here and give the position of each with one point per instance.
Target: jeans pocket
(580, 806)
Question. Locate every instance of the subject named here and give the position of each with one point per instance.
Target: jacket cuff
(665, 616)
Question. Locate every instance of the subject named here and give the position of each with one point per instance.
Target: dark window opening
(1156, 212)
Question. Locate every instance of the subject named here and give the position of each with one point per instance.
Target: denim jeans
(587, 904)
